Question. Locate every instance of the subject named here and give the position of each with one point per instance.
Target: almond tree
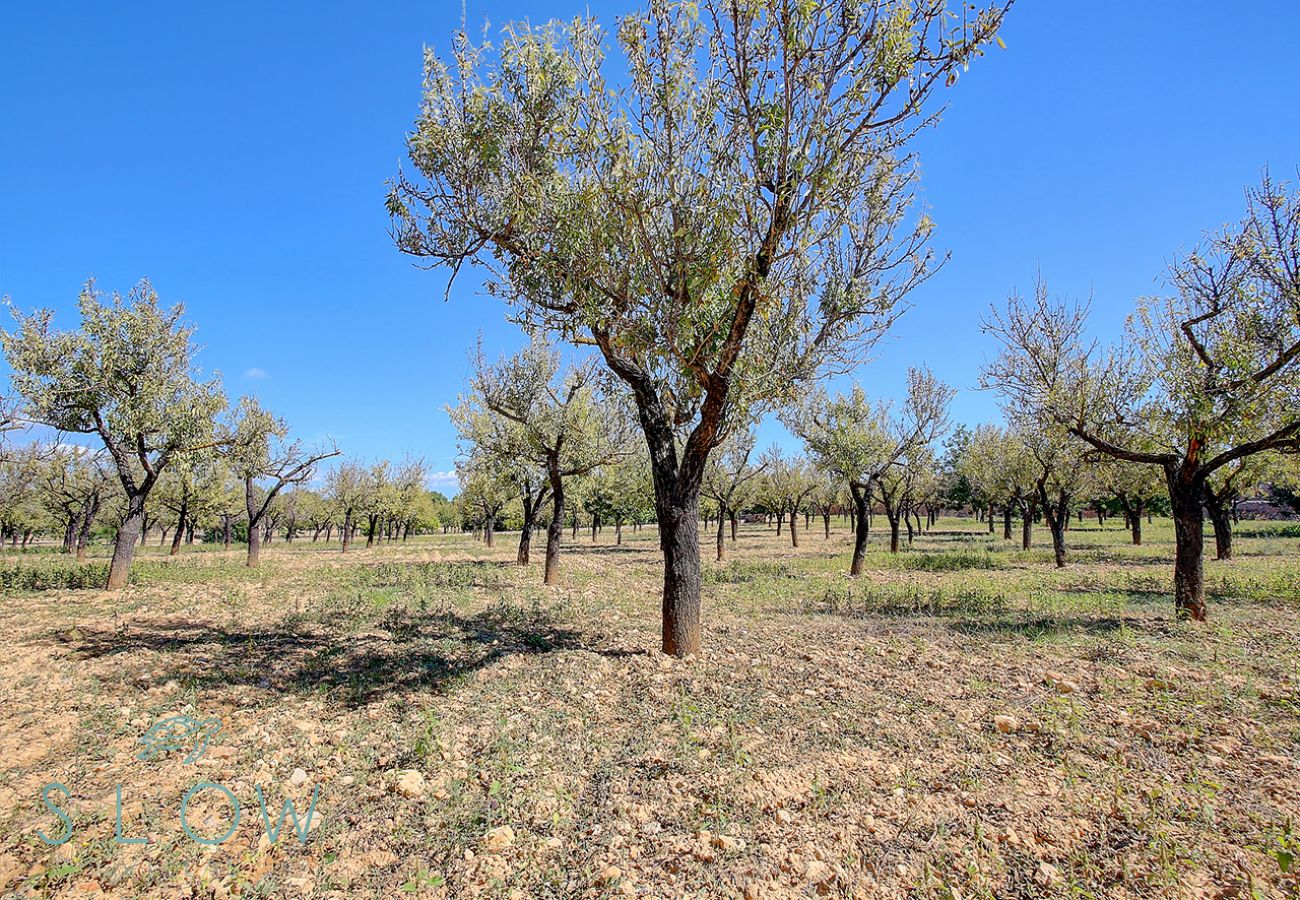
(345, 486)
(128, 377)
(790, 481)
(266, 461)
(1135, 487)
(528, 408)
(1204, 378)
(727, 478)
(72, 484)
(863, 441)
(724, 218)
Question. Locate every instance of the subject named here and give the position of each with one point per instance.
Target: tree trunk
(1006, 522)
(555, 530)
(735, 524)
(893, 530)
(722, 532)
(679, 538)
(346, 529)
(525, 534)
(1058, 518)
(780, 523)
(119, 571)
(180, 528)
(794, 528)
(990, 517)
(826, 522)
(1136, 523)
(1221, 519)
(1027, 526)
(1186, 499)
(861, 528)
(254, 546)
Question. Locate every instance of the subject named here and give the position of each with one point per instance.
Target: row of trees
(172, 454)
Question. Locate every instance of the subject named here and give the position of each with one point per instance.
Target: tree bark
(555, 529)
(735, 524)
(180, 527)
(722, 532)
(679, 538)
(119, 570)
(347, 530)
(1027, 526)
(861, 530)
(1221, 520)
(1186, 499)
(1006, 522)
(794, 528)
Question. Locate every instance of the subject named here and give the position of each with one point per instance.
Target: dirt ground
(964, 721)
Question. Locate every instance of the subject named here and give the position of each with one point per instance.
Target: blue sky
(236, 154)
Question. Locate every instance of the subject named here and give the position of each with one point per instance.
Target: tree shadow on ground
(407, 652)
(1031, 627)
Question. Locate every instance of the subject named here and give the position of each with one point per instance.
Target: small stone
(1048, 875)
(1006, 724)
(818, 872)
(784, 817)
(298, 777)
(610, 875)
(498, 839)
(410, 784)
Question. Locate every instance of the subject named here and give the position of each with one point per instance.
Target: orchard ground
(963, 721)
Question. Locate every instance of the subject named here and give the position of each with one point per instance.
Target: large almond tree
(724, 212)
(1205, 377)
(127, 376)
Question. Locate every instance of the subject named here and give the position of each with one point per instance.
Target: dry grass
(836, 738)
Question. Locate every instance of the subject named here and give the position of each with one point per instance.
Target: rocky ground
(965, 721)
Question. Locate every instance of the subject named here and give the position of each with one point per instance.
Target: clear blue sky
(236, 153)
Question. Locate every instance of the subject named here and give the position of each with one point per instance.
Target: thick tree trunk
(1185, 498)
(990, 517)
(780, 523)
(894, 524)
(794, 528)
(1027, 526)
(346, 530)
(254, 546)
(1136, 524)
(525, 535)
(1006, 522)
(735, 524)
(679, 538)
(826, 523)
(119, 570)
(555, 530)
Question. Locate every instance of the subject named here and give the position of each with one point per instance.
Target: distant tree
(261, 455)
(1055, 463)
(1204, 379)
(790, 481)
(726, 219)
(128, 377)
(527, 408)
(72, 483)
(863, 441)
(1136, 488)
(484, 492)
(729, 475)
(21, 510)
(345, 487)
